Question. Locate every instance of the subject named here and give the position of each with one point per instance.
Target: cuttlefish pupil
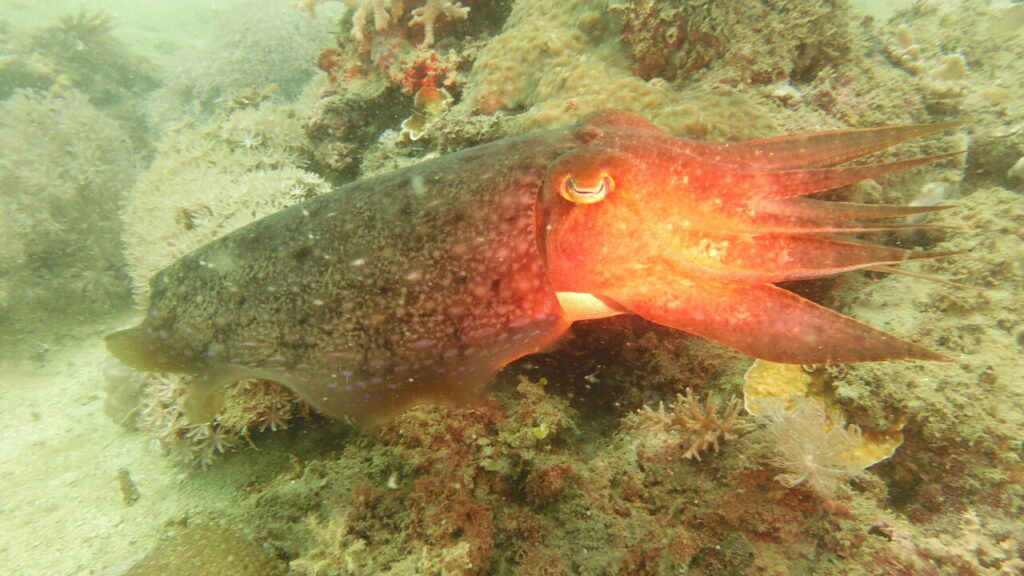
(582, 194)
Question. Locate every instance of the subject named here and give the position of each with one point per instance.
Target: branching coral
(384, 12)
(694, 425)
(428, 14)
(387, 13)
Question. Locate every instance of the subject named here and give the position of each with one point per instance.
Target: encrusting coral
(209, 549)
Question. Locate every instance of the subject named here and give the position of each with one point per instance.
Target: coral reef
(60, 253)
(80, 53)
(70, 115)
(959, 58)
(382, 71)
(563, 471)
(567, 64)
(676, 41)
(258, 44)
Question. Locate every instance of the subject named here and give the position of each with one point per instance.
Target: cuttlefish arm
(695, 235)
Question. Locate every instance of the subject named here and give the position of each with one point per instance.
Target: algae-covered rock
(734, 42)
(205, 549)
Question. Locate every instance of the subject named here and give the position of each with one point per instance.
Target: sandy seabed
(62, 507)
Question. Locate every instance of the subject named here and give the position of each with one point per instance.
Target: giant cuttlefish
(422, 283)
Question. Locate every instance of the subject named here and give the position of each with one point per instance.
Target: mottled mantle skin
(421, 283)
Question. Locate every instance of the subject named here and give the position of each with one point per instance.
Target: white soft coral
(427, 15)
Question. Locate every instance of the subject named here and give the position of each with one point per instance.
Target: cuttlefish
(420, 284)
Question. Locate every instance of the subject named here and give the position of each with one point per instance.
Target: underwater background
(134, 132)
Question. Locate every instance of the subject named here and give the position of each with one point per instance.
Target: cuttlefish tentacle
(789, 257)
(818, 209)
(768, 322)
(816, 149)
(725, 179)
(687, 240)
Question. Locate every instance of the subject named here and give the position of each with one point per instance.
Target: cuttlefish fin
(818, 148)
(204, 396)
(138, 349)
(767, 322)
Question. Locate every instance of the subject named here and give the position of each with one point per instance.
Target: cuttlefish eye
(584, 192)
